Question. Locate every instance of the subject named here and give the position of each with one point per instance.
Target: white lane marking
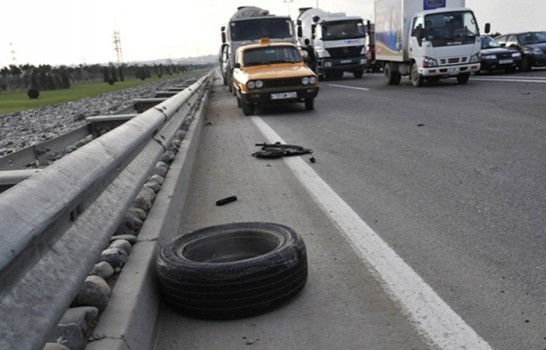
(348, 87)
(514, 80)
(430, 315)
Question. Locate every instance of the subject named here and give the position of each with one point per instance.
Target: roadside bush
(33, 93)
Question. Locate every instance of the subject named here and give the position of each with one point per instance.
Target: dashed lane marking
(348, 87)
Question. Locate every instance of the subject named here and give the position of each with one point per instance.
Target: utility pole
(117, 47)
(288, 4)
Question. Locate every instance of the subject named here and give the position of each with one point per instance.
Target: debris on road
(225, 201)
(278, 150)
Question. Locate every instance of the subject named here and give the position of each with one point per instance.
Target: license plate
(453, 71)
(284, 95)
(506, 61)
(345, 61)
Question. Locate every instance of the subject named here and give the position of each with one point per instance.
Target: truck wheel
(358, 74)
(391, 77)
(463, 78)
(415, 77)
(309, 104)
(248, 109)
(233, 270)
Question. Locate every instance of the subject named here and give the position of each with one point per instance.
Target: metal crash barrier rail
(54, 225)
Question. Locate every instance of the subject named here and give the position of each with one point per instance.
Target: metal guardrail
(54, 225)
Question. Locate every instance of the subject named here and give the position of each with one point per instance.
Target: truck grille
(275, 83)
(453, 60)
(343, 52)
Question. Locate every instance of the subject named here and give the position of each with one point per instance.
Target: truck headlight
(429, 62)
(474, 58)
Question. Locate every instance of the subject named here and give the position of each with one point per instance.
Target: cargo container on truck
(248, 25)
(337, 40)
(426, 40)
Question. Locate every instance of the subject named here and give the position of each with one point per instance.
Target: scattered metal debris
(277, 150)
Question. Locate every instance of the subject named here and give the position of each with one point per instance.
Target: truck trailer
(336, 42)
(426, 40)
(248, 25)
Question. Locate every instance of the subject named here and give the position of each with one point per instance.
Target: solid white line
(348, 87)
(513, 80)
(431, 316)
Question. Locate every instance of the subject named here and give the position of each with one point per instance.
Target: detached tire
(232, 271)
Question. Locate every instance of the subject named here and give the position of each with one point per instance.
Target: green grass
(18, 101)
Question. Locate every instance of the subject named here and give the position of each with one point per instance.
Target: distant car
(531, 45)
(268, 73)
(494, 55)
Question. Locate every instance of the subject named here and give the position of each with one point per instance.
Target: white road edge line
(429, 314)
(348, 87)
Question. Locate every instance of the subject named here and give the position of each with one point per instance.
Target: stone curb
(130, 318)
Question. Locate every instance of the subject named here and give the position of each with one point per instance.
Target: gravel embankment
(22, 129)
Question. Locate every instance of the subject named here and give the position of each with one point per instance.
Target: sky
(67, 32)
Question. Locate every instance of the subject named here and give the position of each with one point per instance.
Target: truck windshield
(258, 28)
(271, 55)
(451, 28)
(343, 30)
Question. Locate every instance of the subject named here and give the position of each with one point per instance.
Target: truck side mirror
(223, 37)
(313, 30)
(300, 32)
(237, 65)
(487, 28)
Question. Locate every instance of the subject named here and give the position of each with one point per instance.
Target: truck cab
(444, 44)
(426, 40)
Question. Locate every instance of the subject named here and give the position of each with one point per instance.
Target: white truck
(337, 42)
(246, 26)
(426, 40)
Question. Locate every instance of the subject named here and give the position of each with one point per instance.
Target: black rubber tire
(309, 104)
(232, 271)
(248, 109)
(525, 64)
(392, 77)
(415, 77)
(463, 78)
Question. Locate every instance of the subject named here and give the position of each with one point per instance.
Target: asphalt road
(447, 184)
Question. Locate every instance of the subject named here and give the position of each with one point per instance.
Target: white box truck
(335, 41)
(426, 40)
(248, 25)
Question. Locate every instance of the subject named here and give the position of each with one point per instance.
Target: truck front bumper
(449, 71)
(343, 64)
